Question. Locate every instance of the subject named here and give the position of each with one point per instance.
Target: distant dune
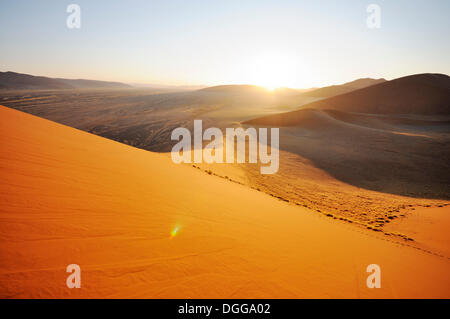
(384, 153)
(390, 137)
(333, 90)
(18, 81)
(427, 94)
(423, 94)
(72, 197)
(363, 82)
(310, 117)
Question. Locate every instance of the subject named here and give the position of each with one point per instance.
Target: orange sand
(72, 197)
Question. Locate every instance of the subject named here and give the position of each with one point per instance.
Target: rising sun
(273, 71)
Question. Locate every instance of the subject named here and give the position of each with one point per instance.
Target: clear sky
(273, 43)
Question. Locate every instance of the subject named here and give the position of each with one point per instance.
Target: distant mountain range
(427, 94)
(18, 81)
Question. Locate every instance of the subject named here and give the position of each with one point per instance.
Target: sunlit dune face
(273, 71)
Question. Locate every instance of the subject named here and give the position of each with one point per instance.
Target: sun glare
(174, 232)
(275, 70)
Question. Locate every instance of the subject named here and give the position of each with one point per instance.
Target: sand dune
(398, 155)
(71, 197)
(390, 137)
(333, 90)
(373, 170)
(370, 170)
(365, 176)
(427, 94)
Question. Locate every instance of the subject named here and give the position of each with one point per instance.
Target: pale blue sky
(294, 43)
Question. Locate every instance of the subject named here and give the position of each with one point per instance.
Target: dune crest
(332, 90)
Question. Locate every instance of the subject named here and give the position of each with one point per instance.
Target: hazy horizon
(155, 84)
(267, 43)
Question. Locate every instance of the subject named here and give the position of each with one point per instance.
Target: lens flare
(174, 232)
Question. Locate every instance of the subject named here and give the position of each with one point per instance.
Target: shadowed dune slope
(391, 137)
(309, 118)
(69, 197)
(386, 153)
(426, 94)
